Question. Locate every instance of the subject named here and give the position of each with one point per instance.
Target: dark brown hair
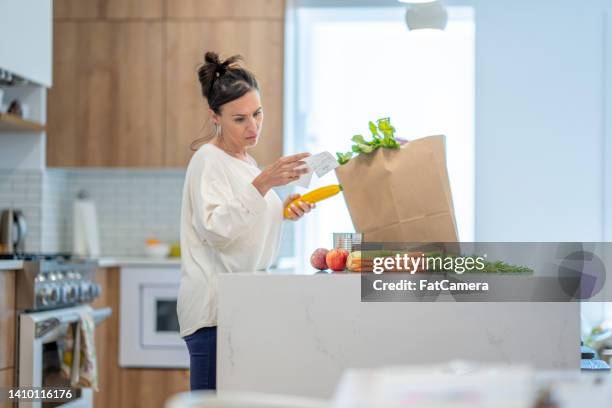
(223, 82)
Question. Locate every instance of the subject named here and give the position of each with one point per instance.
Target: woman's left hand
(298, 209)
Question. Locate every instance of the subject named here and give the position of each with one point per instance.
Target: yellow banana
(315, 196)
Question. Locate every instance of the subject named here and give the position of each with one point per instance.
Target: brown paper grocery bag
(401, 195)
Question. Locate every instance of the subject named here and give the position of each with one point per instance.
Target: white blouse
(226, 226)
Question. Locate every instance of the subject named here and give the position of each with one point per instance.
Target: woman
(231, 218)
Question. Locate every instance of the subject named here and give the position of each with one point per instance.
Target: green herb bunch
(383, 135)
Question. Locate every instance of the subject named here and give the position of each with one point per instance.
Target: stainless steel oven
(51, 293)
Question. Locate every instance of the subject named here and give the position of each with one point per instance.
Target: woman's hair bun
(224, 81)
(212, 58)
(213, 68)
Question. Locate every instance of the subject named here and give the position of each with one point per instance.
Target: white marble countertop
(319, 324)
(10, 265)
(109, 262)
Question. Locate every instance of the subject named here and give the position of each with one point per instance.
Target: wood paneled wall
(105, 107)
(251, 9)
(109, 9)
(126, 92)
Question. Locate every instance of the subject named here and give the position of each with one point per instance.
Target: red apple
(336, 259)
(317, 259)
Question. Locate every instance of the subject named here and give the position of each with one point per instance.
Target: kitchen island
(295, 334)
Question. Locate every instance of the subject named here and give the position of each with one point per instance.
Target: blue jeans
(202, 346)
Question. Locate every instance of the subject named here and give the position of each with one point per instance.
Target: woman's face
(241, 120)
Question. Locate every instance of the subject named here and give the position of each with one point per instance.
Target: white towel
(79, 361)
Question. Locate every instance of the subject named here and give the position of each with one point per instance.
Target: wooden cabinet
(107, 341)
(259, 42)
(225, 9)
(127, 387)
(109, 9)
(105, 108)
(126, 92)
(7, 319)
(7, 381)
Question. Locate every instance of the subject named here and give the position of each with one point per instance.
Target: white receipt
(320, 163)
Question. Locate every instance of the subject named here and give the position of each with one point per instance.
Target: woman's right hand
(283, 171)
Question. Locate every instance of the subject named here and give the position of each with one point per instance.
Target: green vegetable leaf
(373, 130)
(363, 148)
(388, 131)
(343, 158)
(384, 125)
(359, 139)
(383, 135)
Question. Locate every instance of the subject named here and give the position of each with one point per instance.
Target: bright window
(346, 66)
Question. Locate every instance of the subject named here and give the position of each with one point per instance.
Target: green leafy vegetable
(373, 129)
(383, 135)
(343, 158)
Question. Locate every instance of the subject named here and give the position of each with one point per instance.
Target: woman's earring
(217, 129)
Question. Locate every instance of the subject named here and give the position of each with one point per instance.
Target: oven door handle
(99, 315)
(45, 326)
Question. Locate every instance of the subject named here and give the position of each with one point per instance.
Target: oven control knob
(42, 295)
(48, 295)
(54, 296)
(95, 290)
(85, 291)
(70, 294)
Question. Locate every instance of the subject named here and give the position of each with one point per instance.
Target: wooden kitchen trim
(225, 9)
(107, 341)
(105, 108)
(127, 387)
(7, 381)
(260, 42)
(7, 319)
(107, 9)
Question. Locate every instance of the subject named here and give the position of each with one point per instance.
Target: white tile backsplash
(132, 205)
(54, 210)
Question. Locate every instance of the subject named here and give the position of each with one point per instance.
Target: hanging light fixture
(425, 14)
